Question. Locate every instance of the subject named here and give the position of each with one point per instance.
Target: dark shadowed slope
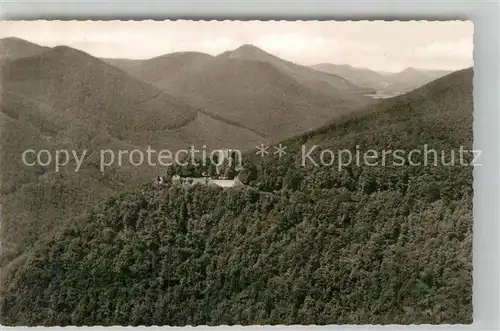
(404, 81)
(66, 99)
(253, 89)
(74, 84)
(74, 100)
(367, 244)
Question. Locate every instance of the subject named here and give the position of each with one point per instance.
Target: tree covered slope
(302, 245)
(64, 99)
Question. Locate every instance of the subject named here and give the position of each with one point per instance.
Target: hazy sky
(387, 46)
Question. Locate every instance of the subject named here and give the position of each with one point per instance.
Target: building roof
(223, 182)
(204, 180)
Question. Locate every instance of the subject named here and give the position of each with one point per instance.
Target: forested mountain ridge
(302, 245)
(252, 88)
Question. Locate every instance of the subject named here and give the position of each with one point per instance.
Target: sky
(378, 45)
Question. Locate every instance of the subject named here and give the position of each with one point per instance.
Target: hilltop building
(203, 181)
(239, 180)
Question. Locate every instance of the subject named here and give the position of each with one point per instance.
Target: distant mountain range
(392, 83)
(252, 88)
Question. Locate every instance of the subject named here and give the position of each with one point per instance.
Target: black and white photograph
(188, 173)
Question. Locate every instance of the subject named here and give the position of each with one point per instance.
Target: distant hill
(12, 48)
(330, 84)
(401, 82)
(360, 76)
(364, 244)
(410, 78)
(253, 89)
(85, 88)
(63, 98)
(171, 65)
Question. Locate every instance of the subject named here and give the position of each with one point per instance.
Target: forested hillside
(64, 99)
(301, 245)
